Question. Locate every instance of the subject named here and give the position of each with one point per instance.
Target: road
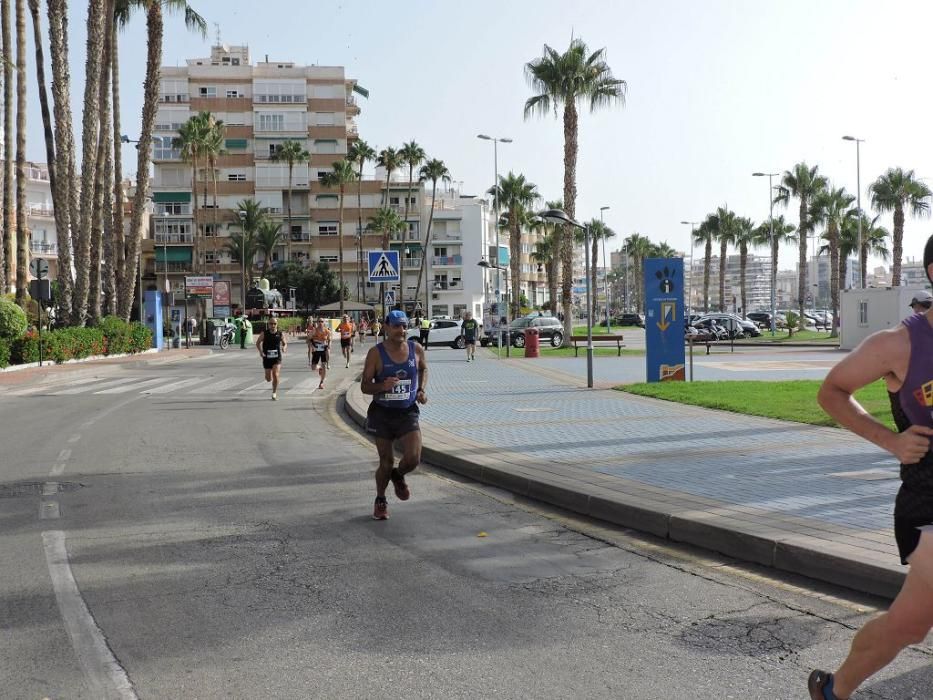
(198, 540)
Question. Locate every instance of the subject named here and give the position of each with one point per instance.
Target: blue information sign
(383, 266)
(664, 319)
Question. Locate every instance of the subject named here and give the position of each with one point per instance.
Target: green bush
(25, 349)
(13, 321)
(140, 337)
(111, 336)
(4, 353)
(74, 343)
(117, 333)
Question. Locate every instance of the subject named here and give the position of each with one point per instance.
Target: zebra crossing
(169, 386)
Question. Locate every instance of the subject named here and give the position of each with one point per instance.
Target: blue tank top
(916, 394)
(403, 395)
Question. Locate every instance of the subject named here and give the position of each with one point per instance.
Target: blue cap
(396, 317)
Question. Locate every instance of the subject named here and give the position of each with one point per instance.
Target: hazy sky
(716, 90)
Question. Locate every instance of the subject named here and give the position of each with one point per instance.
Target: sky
(716, 90)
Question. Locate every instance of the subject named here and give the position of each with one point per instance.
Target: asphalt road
(198, 540)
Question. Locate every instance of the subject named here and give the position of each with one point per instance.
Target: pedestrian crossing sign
(390, 297)
(383, 266)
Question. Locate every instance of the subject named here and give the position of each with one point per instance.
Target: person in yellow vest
(424, 327)
(345, 329)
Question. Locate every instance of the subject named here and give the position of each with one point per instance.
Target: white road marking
(74, 438)
(63, 455)
(133, 387)
(49, 510)
(174, 386)
(102, 385)
(259, 385)
(305, 386)
(221, 385)
(54, 385)
(50, 488)
(105, 677)
(57, 470)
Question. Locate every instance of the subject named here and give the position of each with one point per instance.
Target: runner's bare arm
(371, 367)
(421, 396)
(881, 356)
(259, 344)
(284, 345)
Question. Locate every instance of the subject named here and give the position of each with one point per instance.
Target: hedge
(111, 337)
(12, 319)
(4, 353)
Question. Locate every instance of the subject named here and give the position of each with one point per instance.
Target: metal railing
(174, 238)
(411, 263)
(44, 248)
(447, 286)
(40, 210)
(447, 260)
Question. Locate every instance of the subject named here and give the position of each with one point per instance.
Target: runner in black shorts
(272, 345)
(395, 374)
(903, 358)
(319, 340)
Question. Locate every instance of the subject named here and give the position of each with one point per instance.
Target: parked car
(737, 327)
(549, 329)
(629, 320)
(443, 332)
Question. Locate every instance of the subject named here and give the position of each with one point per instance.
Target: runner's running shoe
(380, 509)
(401, 488)
(817, 681)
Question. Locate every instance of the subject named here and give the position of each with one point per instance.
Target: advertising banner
(199, 287)
(221, 293)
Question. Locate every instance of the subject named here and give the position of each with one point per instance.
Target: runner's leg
(411, 452)
(386, 461)
(908, 621)
(275, 377)
(268, 373)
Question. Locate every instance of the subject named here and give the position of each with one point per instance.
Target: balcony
(160, 268)
(411, 263)
(447, 286)
(304, 236)
(43, 248)
(165, 238)
(446, 260)
(413, 209)
(41, 210)
(280, 99)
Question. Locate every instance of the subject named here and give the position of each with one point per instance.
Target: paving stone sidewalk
(808, 500)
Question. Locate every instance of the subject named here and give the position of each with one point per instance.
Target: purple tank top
(916, 394)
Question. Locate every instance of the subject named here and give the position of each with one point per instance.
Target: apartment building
(262, 105)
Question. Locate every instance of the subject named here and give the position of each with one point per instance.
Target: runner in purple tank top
(903, 357)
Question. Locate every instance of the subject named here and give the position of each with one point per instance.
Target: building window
(327, 228)
(324, 119)
(393, 201)
(173, 209)
(207, 92)
(272, 122)
(162, 148)
(210, 230)
(459, 310)
(328, 258)
(211, 256)
(233, 93)
(236, 177)
(322, 173)
(863, 312)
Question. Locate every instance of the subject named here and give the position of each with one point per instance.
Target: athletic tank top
(320, 339)
(272, 345)
(404, 393)
(913, 405)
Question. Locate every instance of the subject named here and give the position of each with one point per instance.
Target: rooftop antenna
(217, 27)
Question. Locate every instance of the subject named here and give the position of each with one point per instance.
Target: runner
(903, 357)
(346, 337)
(320, 349)
(395, 373)
(308, 333)
(469, 329)
(272, 345)
(377, 329)
(363, 327)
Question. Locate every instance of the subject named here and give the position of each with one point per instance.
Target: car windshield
(521, 322)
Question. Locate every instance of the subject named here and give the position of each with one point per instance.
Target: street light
(495, 207)
(773, 246)
(605, 270)
(486, 265)
(558, 216)
(858, 198)
(242, 215)
(693, 228)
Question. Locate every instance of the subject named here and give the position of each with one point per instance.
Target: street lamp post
(605, 270)
(773, 246)
(242, 215)
(858, 200)
(485, 264)
(495, 215)
(693, 228)
(558, 216)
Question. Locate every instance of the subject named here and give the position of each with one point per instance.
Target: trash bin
(531, 342)
(246, 334)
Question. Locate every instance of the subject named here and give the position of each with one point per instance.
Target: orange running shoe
(380, 509)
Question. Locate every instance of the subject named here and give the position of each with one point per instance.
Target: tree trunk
(863, 264)
(288, 234)
(774, 269)
(722, 276)
(8, 275)
(108, 269)
(102, 175)
(422, 271)
(833, 232)
(22, 232)
(63, 189)
(340, 191)
(117, 242)
(91, 124)
(802, 262)
(515, 263)
(150, 103)
(359, 234)
(593, 263)
(707, 261)
(570, 206)
(897, 248)
(43, 93)
(743, 261)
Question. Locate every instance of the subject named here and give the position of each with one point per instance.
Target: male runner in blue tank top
(395, 374)
(903, 357)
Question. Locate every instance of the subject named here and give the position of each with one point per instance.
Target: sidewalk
(802, 499)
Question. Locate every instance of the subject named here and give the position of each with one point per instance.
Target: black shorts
(270, 363)
(907, 533)
(345, 342)
(469, 340)
(318, 356)
(392, 423)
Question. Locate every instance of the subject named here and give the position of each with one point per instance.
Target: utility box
(866, 311)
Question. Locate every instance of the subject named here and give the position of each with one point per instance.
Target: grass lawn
(789, 400)
(548, 351)
(780, 336)
(597, 330)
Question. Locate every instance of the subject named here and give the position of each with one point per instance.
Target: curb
(81, 360)
(768, 540)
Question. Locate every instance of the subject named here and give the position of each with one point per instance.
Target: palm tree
(341, 176)
(803, 183)
(387, 222)
(214, 141)
(7, 276)
(433, 170)
(598, 232)
(722, 225)
(561, 82)
(154, 32)
(22, 233)
(516, 195)
(894, 191)
(783, 233)
(745, 235)
(358, 153)
(703, 235)
(412, 155)
(268, 238)
(874, 242)
(290, 152)
(832, 207)
(242, 245)
(639, 248)
(390, 159)
(546, 254)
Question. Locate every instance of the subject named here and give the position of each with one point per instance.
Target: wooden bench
(600, 338)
